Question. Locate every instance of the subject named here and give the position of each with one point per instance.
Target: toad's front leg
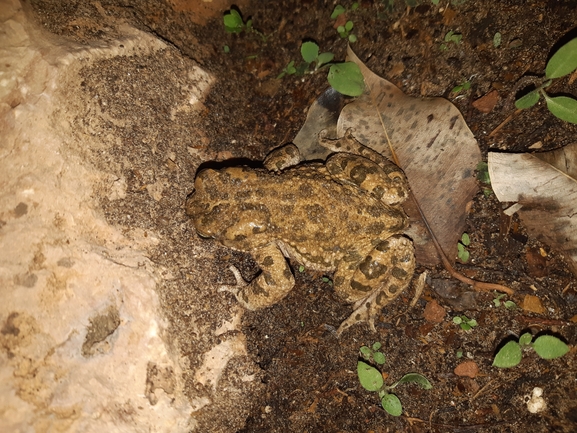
(274, 283)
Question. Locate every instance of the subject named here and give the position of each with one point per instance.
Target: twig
(504, 122)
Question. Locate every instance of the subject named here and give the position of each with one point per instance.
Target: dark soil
(309, 376)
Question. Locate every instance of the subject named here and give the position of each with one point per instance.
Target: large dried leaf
(544, 187)
(435, 148)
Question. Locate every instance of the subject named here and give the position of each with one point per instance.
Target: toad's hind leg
(274, 283)
(380, 278)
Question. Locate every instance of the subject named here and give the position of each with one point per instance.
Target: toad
(343, 216)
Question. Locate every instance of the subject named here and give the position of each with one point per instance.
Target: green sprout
(510, 305)
(497, 40)
(462, 252)
(464, 322)
(339, 10)
(310, 55)
(483, 177)
(372, 353)
(451, 38)
(345, 30)
(345, 78)
(372, 379)
(546, 346)
(562, 63)
(464, 86)
(233, 23)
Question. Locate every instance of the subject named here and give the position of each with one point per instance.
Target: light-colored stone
(83, 343)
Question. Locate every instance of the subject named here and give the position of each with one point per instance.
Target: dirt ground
(307, 376)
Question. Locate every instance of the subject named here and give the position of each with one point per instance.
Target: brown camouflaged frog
(342, 216)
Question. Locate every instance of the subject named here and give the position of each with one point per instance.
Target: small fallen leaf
(434, 312)
(467, 368)
(486, 103)
(533, 304)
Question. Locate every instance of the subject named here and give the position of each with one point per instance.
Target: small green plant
(483, 177)
(288, 69)
(483, 173)
(546, 346)
(372, 354)
(464, 86)
(345, 78)
(462, 251)
(233, 23)
(562, 63)
(328, 281)
(345, 30)
(464, 322)
(497, 40)
(310, 55)
(451, 38)
(510, 305)
(372, 379)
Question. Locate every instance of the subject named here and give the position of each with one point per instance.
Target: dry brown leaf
(486, 103)
(545, 191)
(434, 313)
(435, 148)
(468, 369)
(533, 304)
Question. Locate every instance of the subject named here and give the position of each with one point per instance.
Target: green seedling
(345, 30)
(288, 70)
(372, 380)
(483, 177)
(497, 40)
(233, 23)
(483, 173)
(372, 354)
(328, 281)
(464, 86)
(462, 252)
(338, 10)
(451, 38)
(310, 55)
(546, 346)
(345, 78)
(562, 63)
(510, 305)
(464, 322)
